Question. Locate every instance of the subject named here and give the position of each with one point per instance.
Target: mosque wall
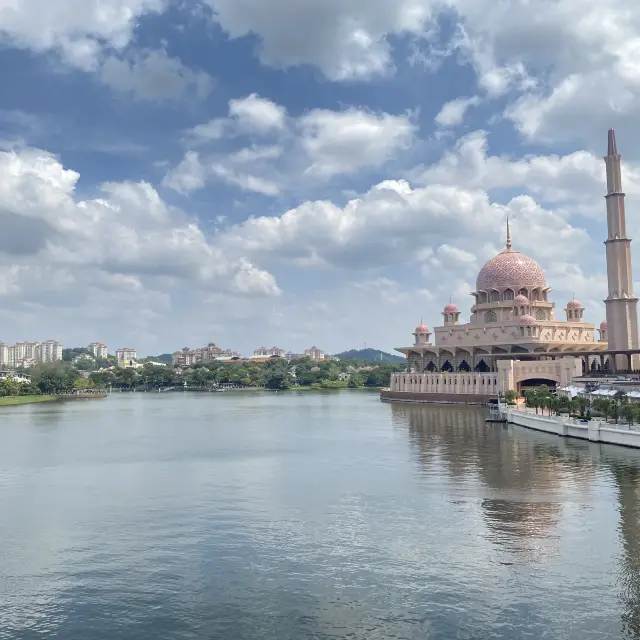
(468, 335)
(510, 375)
(484, 384)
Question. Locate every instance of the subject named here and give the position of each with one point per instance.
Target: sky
(289, 173)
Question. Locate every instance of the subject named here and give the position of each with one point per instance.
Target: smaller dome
(527, 319)
(603, 324)
(574, 304)
(450, 308)
(520, 299)
(422, 329)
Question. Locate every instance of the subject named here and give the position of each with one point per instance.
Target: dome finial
(508, 236)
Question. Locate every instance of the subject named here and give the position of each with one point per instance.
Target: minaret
(622, 305)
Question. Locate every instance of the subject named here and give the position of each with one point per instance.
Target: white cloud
(79, 30)
(187, 176)
(573, 183)
(193, 173)
(152, 75)
(343, 39)
(320, 144)
(126, 235)
(254, 114)
(347, 141)
(453, 112)
(393, 223)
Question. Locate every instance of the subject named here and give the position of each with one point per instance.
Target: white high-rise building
(24, 354)
(99, 350)
(49, 351)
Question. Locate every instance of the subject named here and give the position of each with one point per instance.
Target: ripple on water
(310, 516)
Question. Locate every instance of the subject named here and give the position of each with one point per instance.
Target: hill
(165, 357)
(372, 355)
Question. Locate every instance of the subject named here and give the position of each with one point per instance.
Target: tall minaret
(622, 305)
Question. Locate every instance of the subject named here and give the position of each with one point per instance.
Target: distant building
(273, 351)
(16, 377)
(314, 353)
(204, 355)
(50, 351)
(82, 356)
(24, 354)
(126, 356)
(99, 350)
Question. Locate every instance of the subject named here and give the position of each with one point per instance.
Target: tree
(82, 384)
(276, 374)
(355, 381)
(510, 396)
(628, 412)
(53, 377)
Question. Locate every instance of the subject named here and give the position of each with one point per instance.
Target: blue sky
(174, 173)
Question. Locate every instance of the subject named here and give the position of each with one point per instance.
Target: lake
(238, 516)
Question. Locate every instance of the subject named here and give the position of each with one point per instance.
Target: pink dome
(422, 329)
(574, 304)
(510, 269)
(527, 319)
(450, 308)
(603, 324)
(520, 299)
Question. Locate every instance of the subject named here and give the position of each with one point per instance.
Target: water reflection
(628, 480)
(530, 475)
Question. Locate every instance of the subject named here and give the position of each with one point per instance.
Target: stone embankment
(433, 398)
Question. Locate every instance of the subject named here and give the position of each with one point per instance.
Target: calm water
(233, 517)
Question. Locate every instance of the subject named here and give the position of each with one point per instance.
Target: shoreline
(15, 401)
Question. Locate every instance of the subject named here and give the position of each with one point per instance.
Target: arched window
(495, 296)
(508, 294)
(541, 315)
(490, 316)
(483, 297)
(523, 292)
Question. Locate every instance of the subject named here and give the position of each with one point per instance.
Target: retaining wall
(433, 398)
(562, 426)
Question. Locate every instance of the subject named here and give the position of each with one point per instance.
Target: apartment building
(99, 350)
(24, 354)
(264, 352)
(211, 352)
(314, 353)
(126, 355)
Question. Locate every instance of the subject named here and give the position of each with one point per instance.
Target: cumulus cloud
(393, 223)
(344, 40)
(346, 141)
(324, 143)
(127, 232)
(78, 30)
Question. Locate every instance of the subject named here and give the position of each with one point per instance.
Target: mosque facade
(513, 319)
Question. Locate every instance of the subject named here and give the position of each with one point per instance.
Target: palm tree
(628, 412)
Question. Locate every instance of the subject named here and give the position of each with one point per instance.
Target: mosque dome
(603, 324)
(520, 299)
(450, 308)
(422, 329)
(527, 319)
(510, 270)
(574, 304)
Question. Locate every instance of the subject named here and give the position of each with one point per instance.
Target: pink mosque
(513, 336)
